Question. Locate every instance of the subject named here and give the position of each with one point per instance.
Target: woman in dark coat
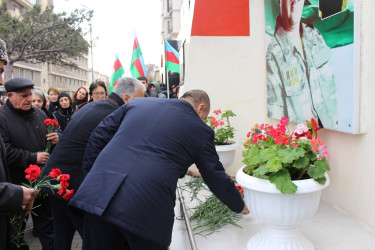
(53, 94)
(64, 110)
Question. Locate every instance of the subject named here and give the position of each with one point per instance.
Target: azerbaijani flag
(137, 67)
(117, 74)
(172, 58)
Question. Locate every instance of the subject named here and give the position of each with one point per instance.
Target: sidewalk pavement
(34, 242)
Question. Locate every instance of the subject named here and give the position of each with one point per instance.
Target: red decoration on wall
(221, 18)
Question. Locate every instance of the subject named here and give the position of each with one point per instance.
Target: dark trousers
(101, 235)
(67, 220)
(43, 223)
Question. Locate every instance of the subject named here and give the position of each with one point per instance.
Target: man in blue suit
(128, 194)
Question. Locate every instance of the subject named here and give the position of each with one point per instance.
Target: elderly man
(129, 194)
(300, 79)
(68, 154)
(25, 136)
(13, 197)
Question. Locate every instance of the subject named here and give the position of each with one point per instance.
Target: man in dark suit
(129, 194)
(68, 155)
(13, 198)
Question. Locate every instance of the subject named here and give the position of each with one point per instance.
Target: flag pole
(167, 84)
(166, 71)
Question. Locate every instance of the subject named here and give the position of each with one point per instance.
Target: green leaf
(302, 162)
(262, 170)
(283, 182)
(251, 156)
(228, 113)
(268, 143)
(274, 165)
(317, 170)
(324, 162)
(268, 154)
(249, 169)
(299, 152)
(311, 155)
(321, 180)
(287, 155)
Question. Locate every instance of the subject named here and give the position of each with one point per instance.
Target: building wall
(170, 19)
(233, 72)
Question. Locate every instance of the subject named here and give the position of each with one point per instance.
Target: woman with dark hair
(64, 111)
(38, 100)
(79, 97)
(98, 91)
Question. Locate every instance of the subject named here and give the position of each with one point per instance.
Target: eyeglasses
(98, 93)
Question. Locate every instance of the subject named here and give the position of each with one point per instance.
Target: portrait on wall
(312, 62)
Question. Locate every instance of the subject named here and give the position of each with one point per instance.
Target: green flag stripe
(172, 67)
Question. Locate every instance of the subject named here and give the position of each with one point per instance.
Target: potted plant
(225, 148)
(283, 176)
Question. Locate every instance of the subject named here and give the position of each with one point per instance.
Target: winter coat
(69, 152)
(132, 183)
(11, 197)
(24, 134)
(63, 117)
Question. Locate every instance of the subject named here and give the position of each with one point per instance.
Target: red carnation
(32, 172)
(64, 178)
(55, 172)
(63, 187)
(68, 194)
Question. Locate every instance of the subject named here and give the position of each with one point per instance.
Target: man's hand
(53, 138)
(41, 158)
(28, 199)
(245, 209)
(194, 172)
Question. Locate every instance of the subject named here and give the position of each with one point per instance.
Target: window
(31, 75)
(169, 29)
(169, 5)
(21, 73)
(54, 80)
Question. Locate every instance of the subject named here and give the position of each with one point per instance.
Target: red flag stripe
(117, 65)
(171, 57)
(135, 43)
(114, 85)
(138, 65)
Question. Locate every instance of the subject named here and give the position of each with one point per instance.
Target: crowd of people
(123, 173)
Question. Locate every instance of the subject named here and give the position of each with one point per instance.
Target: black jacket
(24, 134)
(63, 117)
(68, 153)
(11, 196)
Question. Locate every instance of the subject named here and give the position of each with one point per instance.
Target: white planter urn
(226, 153)
(281, 214)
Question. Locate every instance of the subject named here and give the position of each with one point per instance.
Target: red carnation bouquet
(51, 125)
(32, 175)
